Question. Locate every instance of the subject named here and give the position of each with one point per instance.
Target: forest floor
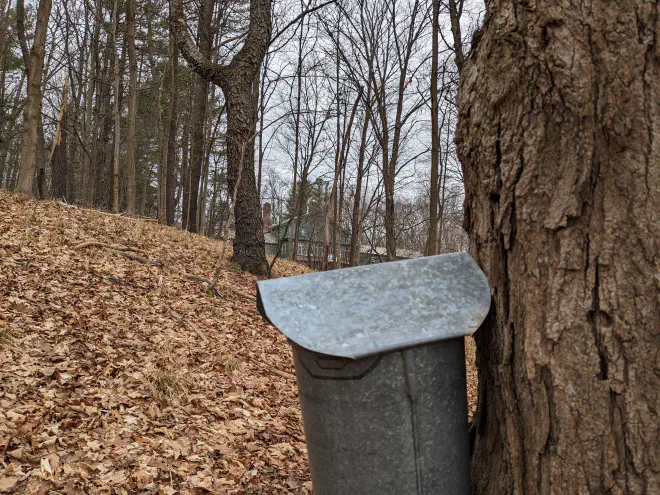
(118, 376)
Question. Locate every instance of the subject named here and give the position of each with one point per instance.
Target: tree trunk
(59, 168)
(199, 115)
(185, 174)
(355, 219)
(262, 110)
(249, 247)
(560, 147)
(58, 157)
(170, 181)
(34, 64)
(8, 130)
(41, 160)
(89, 156)
(131, 186)
(116, 113)
(432, 241)
(294, 193)
(209, 138)
(455, 12)
(237, 80)
(157, 85)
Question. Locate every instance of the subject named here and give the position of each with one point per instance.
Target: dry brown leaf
(8, 483)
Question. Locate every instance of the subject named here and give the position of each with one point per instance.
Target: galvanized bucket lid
(374, 309)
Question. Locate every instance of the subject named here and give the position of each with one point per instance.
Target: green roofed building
(310, 242)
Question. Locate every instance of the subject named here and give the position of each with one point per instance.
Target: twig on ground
(283, 374)
(121, 250)
(204, 280)
(140, 259)
(109, 246)
(211, 285)
(275, 371)
(191, 325)
(197, 330)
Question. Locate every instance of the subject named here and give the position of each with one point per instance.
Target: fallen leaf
(45, 466)
(8, 483)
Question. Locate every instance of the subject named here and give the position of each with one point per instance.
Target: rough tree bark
(34, 64)
(559, 137)
(236, 80)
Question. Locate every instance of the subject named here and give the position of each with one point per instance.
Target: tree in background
(34, 64)
(131, 136)
(131, 192)
(237, 80)
(558, 140)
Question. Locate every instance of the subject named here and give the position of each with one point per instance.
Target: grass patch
(167, 385)
(231, 363)
(5, 335)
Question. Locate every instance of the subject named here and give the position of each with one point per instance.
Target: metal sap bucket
(380, 365)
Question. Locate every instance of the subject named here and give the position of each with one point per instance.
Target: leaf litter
(119, 376)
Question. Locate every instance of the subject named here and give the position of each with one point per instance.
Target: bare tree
(116, 110)
(33, 59)
(236, 81)
(432, 243)
(356, 223)
(170, 184)
(132, 109)
(455, 14)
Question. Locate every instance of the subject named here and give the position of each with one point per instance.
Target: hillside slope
(118, 375)
(123, 377)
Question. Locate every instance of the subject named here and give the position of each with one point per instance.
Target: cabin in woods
(310, 242)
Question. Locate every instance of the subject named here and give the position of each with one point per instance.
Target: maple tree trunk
(103, 127)
(559, 142)
(455, 8)
(209, 139)
(6, 146)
